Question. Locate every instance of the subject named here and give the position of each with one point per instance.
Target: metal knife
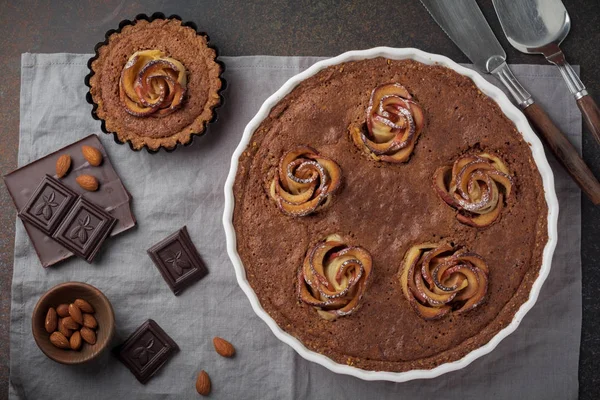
(464, 23)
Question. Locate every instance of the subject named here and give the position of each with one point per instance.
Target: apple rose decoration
(437, 279)
(394, 122)
(476, 186)
(152, 84)
(334, 277)
(304, 181)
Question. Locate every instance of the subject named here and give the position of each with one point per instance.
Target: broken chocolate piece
(48, 205)
(178, 260)
(84, 229)
(146, 350)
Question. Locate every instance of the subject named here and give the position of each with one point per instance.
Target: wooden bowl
(67, 293)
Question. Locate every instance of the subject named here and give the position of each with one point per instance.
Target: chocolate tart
(176, 40)
(387, 208)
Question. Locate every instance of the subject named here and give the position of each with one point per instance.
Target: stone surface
(280, 27)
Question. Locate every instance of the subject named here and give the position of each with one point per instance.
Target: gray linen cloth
(539, 360)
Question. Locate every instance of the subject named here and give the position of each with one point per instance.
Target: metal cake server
(538, 27)
(464, 23)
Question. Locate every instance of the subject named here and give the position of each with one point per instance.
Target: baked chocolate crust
(176, 39)
(386, 208)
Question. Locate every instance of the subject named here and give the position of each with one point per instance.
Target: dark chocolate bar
(178, 260)
(48, 205)
(146, 350)
(70, 219)
(84, 229)
(112, 196)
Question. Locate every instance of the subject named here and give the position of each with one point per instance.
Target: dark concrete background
(301, 27)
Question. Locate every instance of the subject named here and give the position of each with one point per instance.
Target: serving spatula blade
(538, 27)
(533, 26)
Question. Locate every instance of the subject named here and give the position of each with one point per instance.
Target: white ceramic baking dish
(508, 109)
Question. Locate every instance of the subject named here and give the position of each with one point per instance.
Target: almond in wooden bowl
(67, 293)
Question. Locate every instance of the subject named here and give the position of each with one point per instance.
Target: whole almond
(51, 322)
(92, 155)
(75, 313)
(203, 383)
(63, 164)
(89, 321)
(59, 340)
(84, 306)
(70, 323)
(223, 347)
(63, 310)
(63, 329)
(88, 335)
(75, 341)
(88, 182)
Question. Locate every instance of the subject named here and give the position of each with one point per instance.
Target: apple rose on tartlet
(476, 186)
(304, 181)
(394, 122)
(437, 278)
(334, 277)
(152, 84)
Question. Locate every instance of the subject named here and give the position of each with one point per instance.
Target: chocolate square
(48, 204)
(146, 350)
(84, 229)
(178, 260)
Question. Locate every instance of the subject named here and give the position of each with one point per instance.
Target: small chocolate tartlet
(155, 82)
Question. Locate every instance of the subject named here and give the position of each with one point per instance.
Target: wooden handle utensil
(591, 115)
(564, 151)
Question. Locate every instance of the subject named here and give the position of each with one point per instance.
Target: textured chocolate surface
(146, 350)
(71, 220)
(84, 229)
(48, 205)
(176, 41)
(178, 260)
(386, 208)
(112, 195)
